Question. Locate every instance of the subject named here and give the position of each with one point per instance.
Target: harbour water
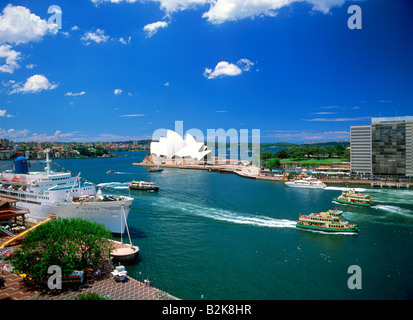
(227, 237)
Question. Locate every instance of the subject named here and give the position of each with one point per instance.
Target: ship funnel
(20, 166)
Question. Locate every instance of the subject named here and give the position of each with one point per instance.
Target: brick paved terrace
(15, 288)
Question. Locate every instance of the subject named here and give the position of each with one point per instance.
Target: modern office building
(383, 148)
(360, 149)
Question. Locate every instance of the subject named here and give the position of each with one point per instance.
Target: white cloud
(113, 1)
(3, 113)
(11, 56)
(75, 28)
(245, 64)
(232, 10)
(170, 6)
(98, 37)
(118, 91)
(152, 28)
(166, 84)
(337, 119)
(30, 66)
(123, 41)
(75, 94)
(13, 133)
(224, 68)
(133, 115)
(19, 25)
(34, 84)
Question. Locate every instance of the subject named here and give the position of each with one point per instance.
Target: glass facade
(388, 148)
(384, 148)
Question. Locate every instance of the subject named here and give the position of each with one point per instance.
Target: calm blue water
(228, 237)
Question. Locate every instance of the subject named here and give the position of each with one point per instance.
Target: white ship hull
(59, 194)
(306, 183)
(292, 184)
(106, 213)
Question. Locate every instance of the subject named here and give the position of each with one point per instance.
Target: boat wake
(331, 233)
(114, 185)
(396, 210)
(228, 216)
(344, 188)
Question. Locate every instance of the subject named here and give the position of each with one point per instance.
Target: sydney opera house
(175, 150)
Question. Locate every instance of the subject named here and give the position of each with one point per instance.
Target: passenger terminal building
(383, 148)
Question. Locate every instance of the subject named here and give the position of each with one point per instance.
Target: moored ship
(329, 221)
(308, 182)
(58, 193)
(357, 199)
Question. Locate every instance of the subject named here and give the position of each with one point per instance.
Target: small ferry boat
(308, 182)
(143, 185)
(329, 221)
(351, 197)
(156, 169)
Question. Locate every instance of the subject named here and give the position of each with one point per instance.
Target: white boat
(308, 182)
(58, 193)
(143, 185)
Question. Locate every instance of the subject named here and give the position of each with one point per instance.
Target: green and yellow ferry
(329, 221)
(357, 199)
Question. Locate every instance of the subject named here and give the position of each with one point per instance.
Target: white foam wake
(345, 188)
(395, 209)
(228, 216)
(114, 185)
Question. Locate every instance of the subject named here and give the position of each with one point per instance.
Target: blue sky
(121, 69)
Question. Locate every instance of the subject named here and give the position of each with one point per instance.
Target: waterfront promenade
(15, 288)
(255, 173)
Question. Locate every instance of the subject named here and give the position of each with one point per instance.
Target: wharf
(255, 173)
(383, 184)
(15, 288)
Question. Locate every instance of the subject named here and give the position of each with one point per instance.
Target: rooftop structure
(173, 146)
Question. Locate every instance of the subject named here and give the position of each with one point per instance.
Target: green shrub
(71, 244)
(89, 296)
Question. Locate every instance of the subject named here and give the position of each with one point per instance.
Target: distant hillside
(288, 144)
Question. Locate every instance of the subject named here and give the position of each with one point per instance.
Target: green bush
(71, 244)
(89, 296)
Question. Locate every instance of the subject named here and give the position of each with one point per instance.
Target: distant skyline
(116, 70)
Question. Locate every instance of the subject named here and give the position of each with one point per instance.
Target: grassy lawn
(313, 161)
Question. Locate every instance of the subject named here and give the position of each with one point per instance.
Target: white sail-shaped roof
(174, 145)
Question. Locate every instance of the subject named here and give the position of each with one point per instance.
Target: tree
(282, 154)
(306, 151)
(273, 163)
(317, 150)
(267, 155)
(294, 153)
(330, 151)
(339, 150)
(71, 244)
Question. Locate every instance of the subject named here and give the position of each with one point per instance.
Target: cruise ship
(62, 195)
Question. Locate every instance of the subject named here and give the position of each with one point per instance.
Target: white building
(173, 149)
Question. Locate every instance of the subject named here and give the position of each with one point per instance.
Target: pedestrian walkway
(111, 290)
(15, 288)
